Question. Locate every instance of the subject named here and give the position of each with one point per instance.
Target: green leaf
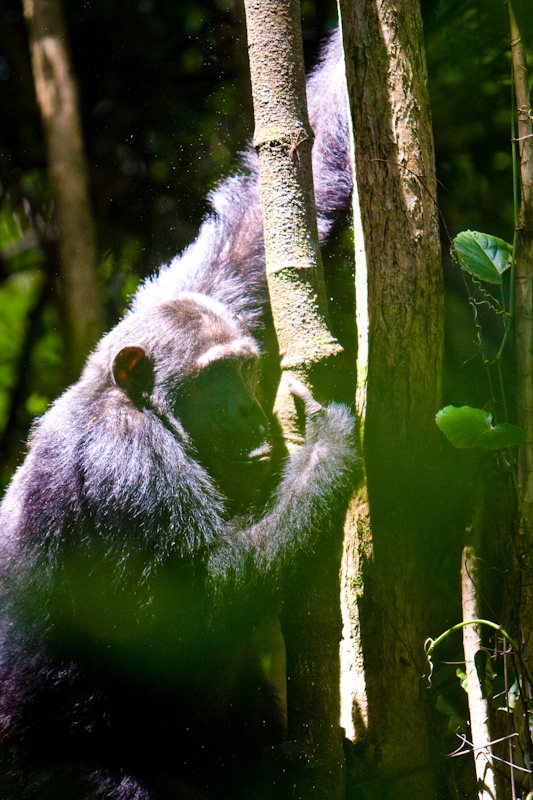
(482, 255)
(457, 722)
(472, 427)
(513, 695)
(461, 674)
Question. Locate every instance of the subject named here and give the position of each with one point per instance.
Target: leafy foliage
(486, 257)
(472, 427)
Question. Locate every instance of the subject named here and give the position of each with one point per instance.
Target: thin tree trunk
(311, 620)
(357, 529)
(519, 601)
(57, 98)
(478, 705)
(524, 270)
(283, 139)
(397, 187)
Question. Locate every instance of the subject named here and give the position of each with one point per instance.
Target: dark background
(166, 107)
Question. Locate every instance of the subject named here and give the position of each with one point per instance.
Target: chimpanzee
(147, 534)
(127, 664)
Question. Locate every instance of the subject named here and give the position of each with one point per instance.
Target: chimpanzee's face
(219, 410)
(196, 366)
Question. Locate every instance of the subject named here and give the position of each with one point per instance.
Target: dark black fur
(137, 557)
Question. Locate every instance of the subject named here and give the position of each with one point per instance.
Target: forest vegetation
(166, 106)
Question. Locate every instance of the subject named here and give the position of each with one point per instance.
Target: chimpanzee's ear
(132, 370)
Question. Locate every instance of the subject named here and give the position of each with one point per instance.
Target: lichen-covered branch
(283, 138)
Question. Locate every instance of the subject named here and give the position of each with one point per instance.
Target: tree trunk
(397, 188)
(478, 703)
(524, 270)
(283, 139)
(57, 98)
(518, 607)
(311, 619)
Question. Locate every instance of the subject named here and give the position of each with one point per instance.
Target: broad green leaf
(472, 427)
(482, 255)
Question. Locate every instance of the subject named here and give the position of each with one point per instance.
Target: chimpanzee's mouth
(261, 455)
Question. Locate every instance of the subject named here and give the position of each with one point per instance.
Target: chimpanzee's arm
(317, 482)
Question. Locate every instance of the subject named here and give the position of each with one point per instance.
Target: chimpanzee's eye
(249, 371)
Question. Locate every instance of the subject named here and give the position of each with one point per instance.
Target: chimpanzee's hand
(331, 428)
(299, 389)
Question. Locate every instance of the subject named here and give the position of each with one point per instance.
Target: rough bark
(58, 102)
(283, 139)
(311, 620)
(524, 270)
(520, 600)
(395, 171)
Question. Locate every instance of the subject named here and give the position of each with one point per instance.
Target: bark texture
(283, 139)
(395, 171)
(524, 270)
(520, 600)
(311, 619)
(58, 102)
